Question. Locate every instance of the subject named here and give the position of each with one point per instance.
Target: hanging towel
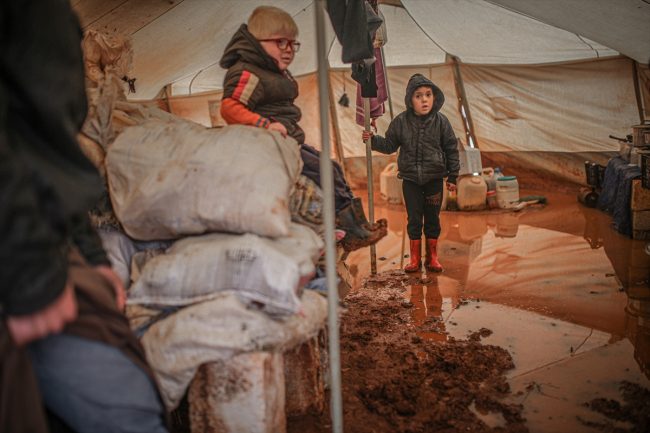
(376, 104)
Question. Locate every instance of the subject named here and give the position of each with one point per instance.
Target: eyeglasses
(283, 43)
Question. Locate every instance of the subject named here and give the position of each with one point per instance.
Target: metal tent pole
(371, 197)
(327, 184)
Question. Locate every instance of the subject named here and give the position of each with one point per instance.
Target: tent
(545, 82)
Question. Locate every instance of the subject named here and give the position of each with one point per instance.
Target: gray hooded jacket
(429, 148)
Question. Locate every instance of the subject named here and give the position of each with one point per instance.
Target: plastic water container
(491, 177)
(507, 192)
(390, 185)
(507, 225)
(471, 193)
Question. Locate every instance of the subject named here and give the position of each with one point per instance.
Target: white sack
(215, 331)
(169, 180)
(267, 272)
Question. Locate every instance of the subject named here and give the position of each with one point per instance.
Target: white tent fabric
(524, 108)
(622, 25)
(544, 81)
(181, 41)
(479, 32)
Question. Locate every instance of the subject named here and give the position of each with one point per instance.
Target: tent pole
(371, 196)
(169, 106)
(637, 91)
(327, 184)
(461, 89)
(335, 122)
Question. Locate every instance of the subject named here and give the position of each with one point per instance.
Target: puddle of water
(493, 419)
(428, 300)
(566, 295)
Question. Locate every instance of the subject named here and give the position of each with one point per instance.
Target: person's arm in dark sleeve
(88, 241)
(33, 268)
(388, 144)
(449, 145)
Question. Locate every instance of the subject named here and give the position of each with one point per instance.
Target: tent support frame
(460, 90)
(327, 184)
(335, 121)
(637, 91)
(371, 195)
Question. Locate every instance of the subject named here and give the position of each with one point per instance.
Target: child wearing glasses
(260, 91)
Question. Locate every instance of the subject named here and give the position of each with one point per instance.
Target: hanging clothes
(377, 108)
(354, 24)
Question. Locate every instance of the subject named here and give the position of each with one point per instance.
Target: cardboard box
(470, 160)
(641, 225)
(640, 197)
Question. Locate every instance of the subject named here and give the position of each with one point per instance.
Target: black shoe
(361, 217)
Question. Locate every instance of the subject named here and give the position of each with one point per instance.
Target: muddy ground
(395, 381)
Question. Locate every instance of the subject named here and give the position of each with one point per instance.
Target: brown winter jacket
(254, 79)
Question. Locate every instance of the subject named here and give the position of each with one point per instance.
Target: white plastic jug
(507, 192)
(471, 193)
(390, 185)
(491, 177)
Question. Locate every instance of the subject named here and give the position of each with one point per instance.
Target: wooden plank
(130, 16)
(90, 11)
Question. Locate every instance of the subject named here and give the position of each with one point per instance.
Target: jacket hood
(244, 46)
(417, 81)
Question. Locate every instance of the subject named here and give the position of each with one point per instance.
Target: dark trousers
(423, 202)
(311, 158)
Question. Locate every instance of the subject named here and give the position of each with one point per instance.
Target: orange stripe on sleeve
(245, 87)
(234, 112)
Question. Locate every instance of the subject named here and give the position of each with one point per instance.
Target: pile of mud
(635, 411)
(394, 381)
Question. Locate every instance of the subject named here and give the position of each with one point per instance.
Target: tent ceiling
(181, 41)
(622, 25)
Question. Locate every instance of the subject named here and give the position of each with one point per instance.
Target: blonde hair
(269, 20)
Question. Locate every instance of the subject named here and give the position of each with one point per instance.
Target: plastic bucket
(507, 192)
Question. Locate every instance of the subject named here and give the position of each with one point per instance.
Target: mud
(395, 380)
(635, 411)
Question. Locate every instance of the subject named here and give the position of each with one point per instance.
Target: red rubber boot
(416, 257)
(431, 259)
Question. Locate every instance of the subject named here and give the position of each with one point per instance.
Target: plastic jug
(507, 192)
(492, 179)
(487, 174)
(471, 193)
(390, 185)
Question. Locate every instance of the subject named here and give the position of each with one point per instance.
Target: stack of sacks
(169, 180)
(201, 224)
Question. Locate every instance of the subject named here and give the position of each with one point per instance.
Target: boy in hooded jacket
(260, 91)
(429, 153)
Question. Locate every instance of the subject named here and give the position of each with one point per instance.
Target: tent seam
(90, 24)
(597, 53)
(157, 18)
(427, 34)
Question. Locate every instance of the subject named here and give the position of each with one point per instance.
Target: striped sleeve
(245, 87)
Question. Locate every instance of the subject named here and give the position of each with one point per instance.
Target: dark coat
(272, 93)
(47, 185)
(429, 149)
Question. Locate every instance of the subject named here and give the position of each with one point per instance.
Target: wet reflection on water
(564, 293)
